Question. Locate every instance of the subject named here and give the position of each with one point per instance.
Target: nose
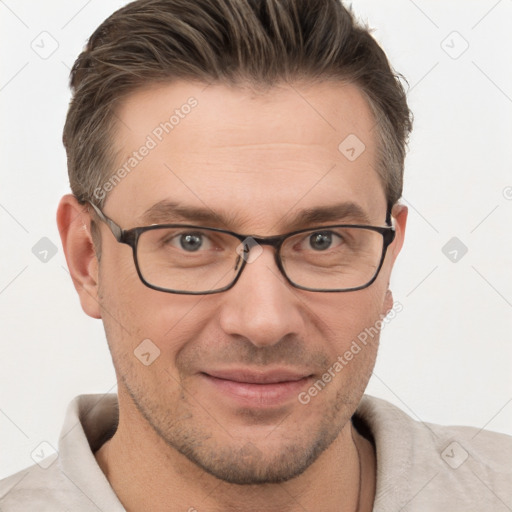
(262, 306)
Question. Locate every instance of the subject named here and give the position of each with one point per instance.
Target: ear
(399, 213)
(74, 224)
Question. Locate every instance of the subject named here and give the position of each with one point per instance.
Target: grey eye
(320, 241)
(191, 242)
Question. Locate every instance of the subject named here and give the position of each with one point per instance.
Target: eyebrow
(168, 212)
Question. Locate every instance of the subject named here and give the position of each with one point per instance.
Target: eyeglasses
(194, 260)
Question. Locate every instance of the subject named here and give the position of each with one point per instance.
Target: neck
(147, 474)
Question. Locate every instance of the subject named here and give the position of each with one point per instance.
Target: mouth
(265, 389)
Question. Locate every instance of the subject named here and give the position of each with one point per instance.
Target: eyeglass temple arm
(116, 230)
(388, 215)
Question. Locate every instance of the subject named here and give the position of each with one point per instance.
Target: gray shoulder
(490, 449)
(463, 466)
(424, 466)
(44, 490)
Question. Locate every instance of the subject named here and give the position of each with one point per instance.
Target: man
(236, 169)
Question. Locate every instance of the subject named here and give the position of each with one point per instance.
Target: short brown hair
(257, 42)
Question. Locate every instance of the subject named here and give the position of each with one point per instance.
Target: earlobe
(75, 232)
(399, 214)
(388, 302)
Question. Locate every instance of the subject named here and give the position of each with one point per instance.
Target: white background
(446, 358)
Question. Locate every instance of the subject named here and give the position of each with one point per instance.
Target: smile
(258, 389)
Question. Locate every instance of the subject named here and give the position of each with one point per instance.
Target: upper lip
(259, 377)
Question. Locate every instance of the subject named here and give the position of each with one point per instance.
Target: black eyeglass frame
(131, 237)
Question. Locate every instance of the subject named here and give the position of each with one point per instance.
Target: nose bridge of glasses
(273, 241)
(251, 248)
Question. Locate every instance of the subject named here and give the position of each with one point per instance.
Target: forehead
(256, 157)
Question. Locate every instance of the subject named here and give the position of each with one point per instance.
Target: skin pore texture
(254, 161)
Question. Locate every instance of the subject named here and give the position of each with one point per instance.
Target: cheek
(117, 273)
(126, 302)
(133, 313)
(350, 340)
(345, 315)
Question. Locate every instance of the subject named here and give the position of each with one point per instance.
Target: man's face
(256, 161)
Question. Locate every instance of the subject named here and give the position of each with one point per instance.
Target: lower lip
(258, 395)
